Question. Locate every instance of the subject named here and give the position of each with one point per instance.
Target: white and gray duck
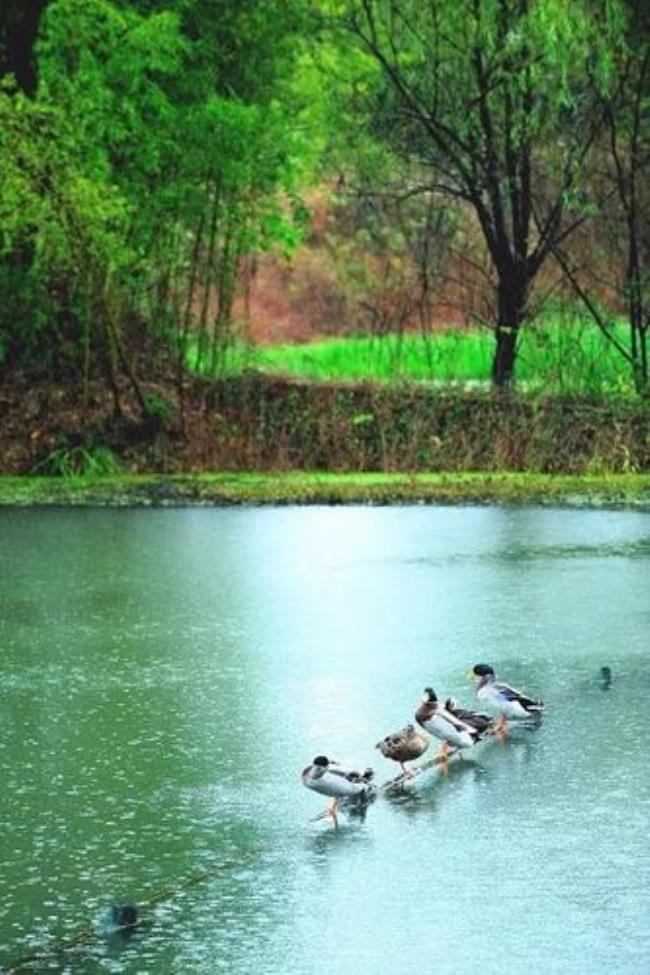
(404, 746)
(355, 789)
(442, 724)
(509, 703)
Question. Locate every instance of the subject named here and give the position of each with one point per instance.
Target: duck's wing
(475, 718)
(511, 694)
(349, 774)
(454, 721)
(464, 714)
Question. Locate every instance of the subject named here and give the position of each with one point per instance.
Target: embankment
(262, 424)
(257, 423)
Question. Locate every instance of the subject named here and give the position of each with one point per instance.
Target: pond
(167, 674)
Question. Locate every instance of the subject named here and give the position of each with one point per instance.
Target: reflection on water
(517, 552)
(166, 675)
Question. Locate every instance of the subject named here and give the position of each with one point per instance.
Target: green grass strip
(297, 487)
(559, 354)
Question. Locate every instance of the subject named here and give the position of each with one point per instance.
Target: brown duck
(403, 746)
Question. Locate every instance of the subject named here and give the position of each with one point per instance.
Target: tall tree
(495, 99)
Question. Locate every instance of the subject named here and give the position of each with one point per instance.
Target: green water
(166, 675)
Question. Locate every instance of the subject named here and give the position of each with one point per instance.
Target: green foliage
(88, 459)
(160, 150)
(61, 231)
(159, 408)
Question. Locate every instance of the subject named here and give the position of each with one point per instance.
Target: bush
(81, 460)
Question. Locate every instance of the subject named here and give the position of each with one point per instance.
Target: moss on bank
(297, 487)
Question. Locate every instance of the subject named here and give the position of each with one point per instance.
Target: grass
(560, 354)
(298, 487)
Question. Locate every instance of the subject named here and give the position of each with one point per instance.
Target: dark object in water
(125, 915)
(605, 678)
(118, 920)
(123, 918)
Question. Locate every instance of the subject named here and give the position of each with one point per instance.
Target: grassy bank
(297, 487)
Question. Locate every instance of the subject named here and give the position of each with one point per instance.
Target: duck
(605, 676)
(510, 704)
(437, 720)
(482, 722)
(327, 777)
(404, 746)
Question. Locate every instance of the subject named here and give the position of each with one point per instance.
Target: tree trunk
(512, 297)
(19, 23)
(505, 355)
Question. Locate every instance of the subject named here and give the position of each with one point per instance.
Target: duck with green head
(439, 722)
(509, 703)
(327, 777)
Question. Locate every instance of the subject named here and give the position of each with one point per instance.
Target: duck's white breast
(443, 730)
(490, 696)
(335, 786)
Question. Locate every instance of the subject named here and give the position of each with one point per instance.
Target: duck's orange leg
(501, 729)
(442, 758)
(331, 812)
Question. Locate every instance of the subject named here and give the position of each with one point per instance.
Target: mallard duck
(327, 777)
(404, 746)
(509, 703)
(476, 719)
(435, 719)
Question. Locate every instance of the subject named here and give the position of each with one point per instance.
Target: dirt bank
(257, 423)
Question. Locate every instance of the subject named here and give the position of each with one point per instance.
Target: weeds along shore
(255, 423)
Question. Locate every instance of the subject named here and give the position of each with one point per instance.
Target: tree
(495, 99)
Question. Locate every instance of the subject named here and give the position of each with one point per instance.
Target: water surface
(165, 675)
